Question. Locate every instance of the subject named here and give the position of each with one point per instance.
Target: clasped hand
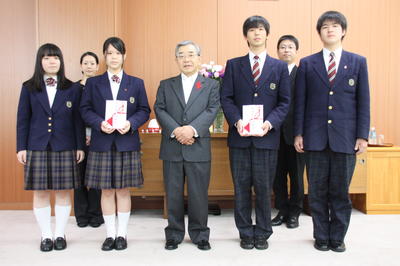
(184, 134)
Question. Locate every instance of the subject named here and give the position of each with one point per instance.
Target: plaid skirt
(51, 170)
(113, 170)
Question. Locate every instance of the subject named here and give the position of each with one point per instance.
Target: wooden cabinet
(375, 187)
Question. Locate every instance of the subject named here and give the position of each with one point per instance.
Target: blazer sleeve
(143, 109)
(202, 122)
(299, 99)
(231, 111)
(24, 114)
(78, 122)
(363, 101)
(168, 124)
(278, 114)
(90, 117)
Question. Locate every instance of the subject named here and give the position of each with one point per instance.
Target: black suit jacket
(287, 126)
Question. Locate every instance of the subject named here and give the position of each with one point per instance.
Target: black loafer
(82, 224)
(278, 220)
(292, 222)
(171, 244)
(321, 245)
(94, 225)
(108, 244)
(46, 245)
(247, 243)
(260, 243)
(120, 243)
(337, 246)
(204, 245)
(60, 243)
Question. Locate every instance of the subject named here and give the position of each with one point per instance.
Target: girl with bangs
(113, 163)
(50, 141)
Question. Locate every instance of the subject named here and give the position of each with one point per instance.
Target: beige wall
(151, 29)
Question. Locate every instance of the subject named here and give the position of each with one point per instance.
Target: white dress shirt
(115, 85)
(261, 59)
(327, 57)
(51, 90)
(290, 67)
(187, 84)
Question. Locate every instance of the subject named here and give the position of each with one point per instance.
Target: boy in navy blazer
(254, 79)
(331, 124)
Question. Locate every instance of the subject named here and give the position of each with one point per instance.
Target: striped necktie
(332, 68)
(256, 70)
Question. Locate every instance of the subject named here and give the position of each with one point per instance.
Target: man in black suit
(290, 162)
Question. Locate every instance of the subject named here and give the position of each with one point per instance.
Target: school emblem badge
(272, 86)
(351, 82)
(68, 104)
(132, 99)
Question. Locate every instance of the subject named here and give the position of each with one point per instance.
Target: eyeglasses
(189, 56)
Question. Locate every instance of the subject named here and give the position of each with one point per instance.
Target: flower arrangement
(214, 71)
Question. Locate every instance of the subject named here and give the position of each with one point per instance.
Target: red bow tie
(115, 78)
(51, 82)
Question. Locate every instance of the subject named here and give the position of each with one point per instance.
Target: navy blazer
(332, 116)
(60, 126)
(273, 92)
(93, 107)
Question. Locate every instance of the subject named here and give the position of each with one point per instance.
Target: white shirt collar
(326, 54)
(290, 67)
(261, 56)
(111, 74)
(192, 77)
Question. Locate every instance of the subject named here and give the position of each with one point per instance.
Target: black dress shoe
(120, 243)
(337, 246)
(60, 243)
(260, 243)
(204, 245)
(278, 220)
(321, 245)
(108, 244)
(171, 244)
(46, 245)
(292, 222)
(83, 224)
(94, 225)
(247, 243)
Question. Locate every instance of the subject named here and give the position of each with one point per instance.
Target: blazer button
(331, 93)
(330, 107)
(49, 130)
(49, 124)
(49, 117)
(256, 94)
(329, 121)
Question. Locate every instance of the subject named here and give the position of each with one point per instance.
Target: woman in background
(87, 200)
(50, 136)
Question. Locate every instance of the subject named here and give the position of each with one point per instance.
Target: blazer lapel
(178, 90)
(198, 87)
(105, 88)
(319, 67)
(44, 99)
(342, 68)
(123, 91)
(58, 99)
(245, 67)
(268, 68)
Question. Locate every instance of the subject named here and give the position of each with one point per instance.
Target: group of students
(328, 105)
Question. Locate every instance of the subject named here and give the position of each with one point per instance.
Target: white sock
(123, 220)
(109, 220)
(43, 216)
(62, 215)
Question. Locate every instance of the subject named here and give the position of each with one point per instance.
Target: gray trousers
(197, 176)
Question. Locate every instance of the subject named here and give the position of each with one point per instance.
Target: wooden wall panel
(76, 26)
(18, 53)
(151, 30)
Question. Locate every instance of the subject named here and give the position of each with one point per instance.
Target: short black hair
(89, 54)
(116, 42)
(36, 81)
(334, 16)
(290, 38)
(255, 22)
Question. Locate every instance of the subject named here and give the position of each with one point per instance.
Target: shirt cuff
(195, 132)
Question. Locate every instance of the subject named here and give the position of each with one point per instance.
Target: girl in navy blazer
(114, 161)
(50, 142)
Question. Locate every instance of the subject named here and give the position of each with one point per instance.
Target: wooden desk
(375, 187)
